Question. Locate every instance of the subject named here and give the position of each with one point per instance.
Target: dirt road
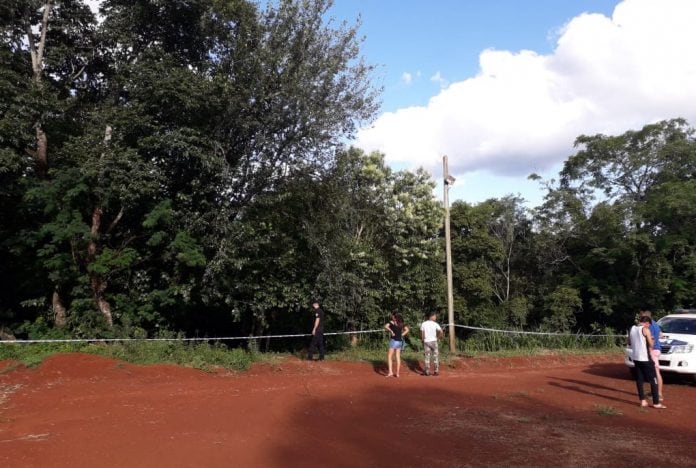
(79, 410)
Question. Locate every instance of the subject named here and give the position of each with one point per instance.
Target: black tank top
(396, 330)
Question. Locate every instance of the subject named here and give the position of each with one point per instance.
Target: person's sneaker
(426, 374)
(436, 373)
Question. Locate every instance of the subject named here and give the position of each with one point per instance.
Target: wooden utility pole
(448, 180)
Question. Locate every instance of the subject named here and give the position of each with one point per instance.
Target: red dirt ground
(79, 410)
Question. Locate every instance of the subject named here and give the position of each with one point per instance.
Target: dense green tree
(618, 252)
(491, 248)
(383, 252)
(182, 115)
(178, 166)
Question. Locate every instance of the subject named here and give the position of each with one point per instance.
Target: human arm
(388, 328)
(316, 325)
(405, 331)
(648, 338)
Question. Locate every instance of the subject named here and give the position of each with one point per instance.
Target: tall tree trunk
(37, 55)
(41, 153)
(97, 282)
(354, 336)
(60, 315)
(253, 343)
(37, 52)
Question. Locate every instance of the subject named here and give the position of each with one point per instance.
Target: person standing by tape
(430, 333)
(656, 350)
(641, 342)
(317, 332)
(397, 332)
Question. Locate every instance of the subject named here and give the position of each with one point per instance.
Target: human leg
(655, 353)
(427, 351)
(390, 354)
(312, 347)
(640, 380)
(398, 361)
(651, 377)
(436, 358)
(320, 338)
(316, 345)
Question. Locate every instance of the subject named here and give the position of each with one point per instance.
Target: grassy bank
(206, 356)
(202, 356)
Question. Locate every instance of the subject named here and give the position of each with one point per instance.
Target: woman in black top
(397, 331)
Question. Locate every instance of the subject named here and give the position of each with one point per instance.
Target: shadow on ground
(380, 366)
(619, 371)
(418, 423)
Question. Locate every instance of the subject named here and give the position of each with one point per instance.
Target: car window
(686, 326)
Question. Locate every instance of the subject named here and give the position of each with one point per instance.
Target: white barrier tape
(216, 338)
(299, 335)
(520, 332)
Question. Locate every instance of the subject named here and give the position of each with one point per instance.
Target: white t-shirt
(430, 329)
(639, 345)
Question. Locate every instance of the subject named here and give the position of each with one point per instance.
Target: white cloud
(523, 110)
(406, 77)
(94, 5)
(437, 78)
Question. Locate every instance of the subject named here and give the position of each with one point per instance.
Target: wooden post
(448, 180)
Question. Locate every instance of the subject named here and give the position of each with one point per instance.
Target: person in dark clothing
(317, 343)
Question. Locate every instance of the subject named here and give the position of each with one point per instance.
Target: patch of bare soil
(80, 410)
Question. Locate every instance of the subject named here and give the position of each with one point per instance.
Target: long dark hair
(398, 319)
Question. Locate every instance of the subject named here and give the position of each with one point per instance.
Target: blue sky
(448, 36)
(503, 87)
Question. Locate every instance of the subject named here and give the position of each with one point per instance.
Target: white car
(678, 344)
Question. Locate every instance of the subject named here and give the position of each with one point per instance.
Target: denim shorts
(394, 344)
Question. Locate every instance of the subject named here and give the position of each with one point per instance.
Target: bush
(202, 356)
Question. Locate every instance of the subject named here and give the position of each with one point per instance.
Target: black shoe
(426, 374)
(436, 373)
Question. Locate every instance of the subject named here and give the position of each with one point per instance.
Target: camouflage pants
(430, 349)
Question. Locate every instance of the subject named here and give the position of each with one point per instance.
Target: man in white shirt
(430, 333)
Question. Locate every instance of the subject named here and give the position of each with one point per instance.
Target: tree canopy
(180, 167)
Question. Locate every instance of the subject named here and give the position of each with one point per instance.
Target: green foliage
(201, 356)
(491, 247)
(109, 260)
(164, 123)
(618, 253)
(560, 307)
(187, 250)
(604, 410)
(34, 354)
(498, 342)
(195, 182)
